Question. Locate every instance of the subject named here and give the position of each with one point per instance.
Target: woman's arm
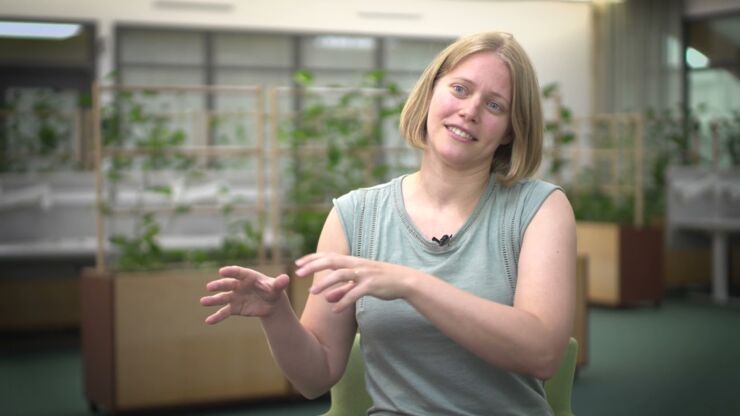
(529, 337)
(313, 352)
(311, 355)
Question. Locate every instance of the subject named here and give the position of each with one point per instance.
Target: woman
(460, 276)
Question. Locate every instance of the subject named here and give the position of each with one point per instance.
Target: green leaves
(303, 77)
(161, 189)
(140, 251)
(343, 131)
(549, 90)
(599, 206)
(38, 134)
(559, 129)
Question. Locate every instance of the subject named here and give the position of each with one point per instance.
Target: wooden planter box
(625, 263)
(145, 345)
(20, 311)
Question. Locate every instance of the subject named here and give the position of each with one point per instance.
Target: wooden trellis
(280, 151)
(205, 148)
(616, 140)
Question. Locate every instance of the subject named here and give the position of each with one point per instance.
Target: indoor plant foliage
(599, 168)
(604, 187)
(727, 131)
(583, 183)
(160, 178)
(38, 133)
(668, 141)
(594, 159)
(169, 209)
(336, 144)
(558, 129)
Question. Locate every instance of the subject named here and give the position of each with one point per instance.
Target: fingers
(307, 258)
(336, 294)
(219, 316)
(269, 289)
(240, 273)
(342, 288)
(243, 291)
(216, 300)
(333, 278)
(281, 283)
(355, 292)
(317, 262)
(231, 276)
(222, 285)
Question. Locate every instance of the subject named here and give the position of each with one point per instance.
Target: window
(45, 78)
(712, 62)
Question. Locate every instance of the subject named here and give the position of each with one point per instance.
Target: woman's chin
(461, 160)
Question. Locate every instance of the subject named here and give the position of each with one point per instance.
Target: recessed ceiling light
(38, 30)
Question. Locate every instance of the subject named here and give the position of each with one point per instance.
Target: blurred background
(145, 143)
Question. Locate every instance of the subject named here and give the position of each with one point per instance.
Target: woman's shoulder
(379, 189)
(529, 186)
(359, 196)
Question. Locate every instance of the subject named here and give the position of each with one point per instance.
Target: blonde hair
(521, 157)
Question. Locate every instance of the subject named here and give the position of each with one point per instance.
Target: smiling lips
(461, 134)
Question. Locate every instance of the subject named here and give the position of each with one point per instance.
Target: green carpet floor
(682, 358)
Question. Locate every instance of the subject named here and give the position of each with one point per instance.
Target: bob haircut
(515, 160)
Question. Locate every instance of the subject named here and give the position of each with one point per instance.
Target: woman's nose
(469, 110)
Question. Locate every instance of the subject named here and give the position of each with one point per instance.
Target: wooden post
(614, 153)
(639, 194)
(259, 144)
(98, 146)
(277, 252)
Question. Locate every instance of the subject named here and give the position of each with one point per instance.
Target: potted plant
(600, 161)
(144, 341)
(335, 144)
(43, 204)
(337, 141)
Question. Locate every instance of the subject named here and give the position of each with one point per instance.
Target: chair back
(349, 396)
(559, 388)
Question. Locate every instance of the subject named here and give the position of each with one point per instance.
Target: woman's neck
(439, 202)
(442, 186)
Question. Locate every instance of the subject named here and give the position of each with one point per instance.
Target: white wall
(557, 35)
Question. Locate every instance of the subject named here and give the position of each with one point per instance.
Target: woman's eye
(458, 89)
(494, 106)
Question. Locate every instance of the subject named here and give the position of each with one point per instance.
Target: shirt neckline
(414, 232)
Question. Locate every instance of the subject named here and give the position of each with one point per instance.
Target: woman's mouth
(461, 134)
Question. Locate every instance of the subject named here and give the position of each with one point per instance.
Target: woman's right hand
(243, 292)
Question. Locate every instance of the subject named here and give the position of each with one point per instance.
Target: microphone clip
(442, 241)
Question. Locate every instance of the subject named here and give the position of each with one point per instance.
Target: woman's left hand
(351, 278)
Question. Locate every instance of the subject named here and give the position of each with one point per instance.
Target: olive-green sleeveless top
(411, 367)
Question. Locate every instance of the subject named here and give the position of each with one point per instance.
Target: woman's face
(469, 112)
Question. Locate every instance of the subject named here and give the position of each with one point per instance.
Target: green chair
(349, 396)
(559, 387)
